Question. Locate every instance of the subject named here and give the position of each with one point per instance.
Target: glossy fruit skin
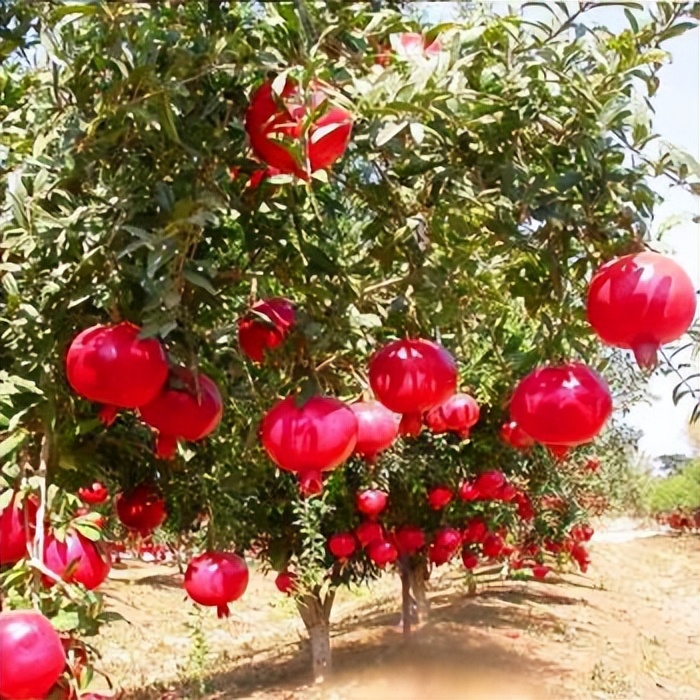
(14, 535)
(640, 302)
(469, 559)
(142, 509)
(382, 553)
(512, 434)
(581, 533)
(216, 579)
(447, 537)
(492, 546)
(524, 506)
(467, 491)
(440, 497)
(562, 406)
(94, 494)
(112, 366)
(489, 484)
(77, 559)
(409, 539)
(286, 582)
(377, 428)
(316, 437)
(342, 545)
(540, 571)
(189, 408)
(410, 377)
(256, 337)
(275, 128)
(32, 657)
(371, 502)
(475, 531)
(368, 532)
(458, 415)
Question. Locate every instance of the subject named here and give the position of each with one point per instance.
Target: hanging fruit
(265, 327)
(440, 497)
(641, 302)
(342, 545)
(456, 415)
(562, 406)
(17, 524)
(287, 582)
(377, 428)
(368, 532)
(512, 434)
(410, 377)
(111, 365)
(142, 509)
(216, 579)
(371, 502)
(189, 408)
(94, 494)
(409, 539)
(382, 553)
(76, 559)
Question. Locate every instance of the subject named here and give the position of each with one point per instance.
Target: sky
(664, 426)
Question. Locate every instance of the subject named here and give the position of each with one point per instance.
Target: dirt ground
(628, 629)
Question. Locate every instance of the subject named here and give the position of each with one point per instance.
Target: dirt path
(629, 629)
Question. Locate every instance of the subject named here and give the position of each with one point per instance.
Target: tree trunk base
(316, 616)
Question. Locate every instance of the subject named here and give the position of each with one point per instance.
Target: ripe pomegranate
(562, 406)
(540, 570)
(342, 545)
(506, 493)
(371, 502)
(410, 377)
(581, 533)
(14, 535)
(469, 559)
(189, 408)
(456, 415)
(275, 125)
(467, 491)
(95, 493)
(512, 434)
(286, 582)
(524, 506)
(111, 365)
(382, 553)
(475, 531)
(216, 579)
(76, 560)
(409, 539)
(32, 658)
(439, 555)
(368, 532)
(492, 546)
(447, 538)
(440, 497)
(641, 302)
(309, 439)
(488, 484)
(265, 327)
(377, 428)
(142, 509)
(580, 554)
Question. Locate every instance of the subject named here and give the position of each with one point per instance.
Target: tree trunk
(316, 613)
(406, 598)
(418, 575)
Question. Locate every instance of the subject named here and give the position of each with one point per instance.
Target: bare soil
(628, 629)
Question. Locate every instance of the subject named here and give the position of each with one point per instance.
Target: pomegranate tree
(216, 579)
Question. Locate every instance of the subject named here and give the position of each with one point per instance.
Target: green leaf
(199, 280)
(389, 131)
(65, 10)
(11, 443)
(88, 530)
(66, 620)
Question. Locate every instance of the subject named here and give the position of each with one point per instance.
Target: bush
(677, 491)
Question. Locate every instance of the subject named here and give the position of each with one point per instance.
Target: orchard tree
(492, 164)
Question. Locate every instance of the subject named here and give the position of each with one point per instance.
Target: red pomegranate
(311, 438)
(189, 408)
(77, 559)
(580, 555)
(111, 365)
(382, 553)
(440, 497)
(641, 302)
(368, 532)
(275, 125)
(506, 493)
(142, 509)
(287, 582)
(95, 493)
(467, 491)
(439, 555)
(469, 559)
(489, 484)
(32, 658)
(456, 415)
(265, 326)
(524, 506)
(409, 539)
(492, 545)
(475, 531)
(216, 579)
(14, 535)
(342, 545)
(377, 428)
(540, 571)
(562, 406)
(371, 502)
(512, 434)
(581, 533)
(410, 377)
(447, 538)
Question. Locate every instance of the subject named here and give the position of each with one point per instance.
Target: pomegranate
(377, 428)
(489, 484)
(32, 658)
(457, 415)
(410, 377)
(14, 535)
(342, 545)
(506, 493)
(475, 531)
(512, 434)
(469, 559)
(439, 555)
(265, 327)
(447, 538)
(409, 539)
(95, 493)
(286, 582)
(76, 560)
(189, 408)
(540, 570)
(371, 502)
(581, 533)
(524, 506)
(580, 554)
(216, 579)
(111, 365)
(641, 302)
(309, 439)
(492, 545)
(142, 509)
(368, 532)
(382, 553)
(467, 491)
(562, 406)
(440, 497)
(280, 136)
